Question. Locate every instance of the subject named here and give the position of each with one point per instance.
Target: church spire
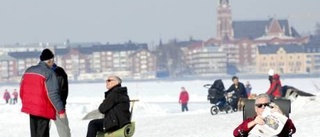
(224, 2)
(224, 20)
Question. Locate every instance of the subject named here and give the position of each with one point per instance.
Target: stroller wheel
(228, 109)
(214, 110)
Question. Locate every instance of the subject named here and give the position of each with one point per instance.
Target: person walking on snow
(15, 96)
(39, 93)
(183, 99)
(62, 124)
(6, 96)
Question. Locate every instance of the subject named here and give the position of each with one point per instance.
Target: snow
(158, 112)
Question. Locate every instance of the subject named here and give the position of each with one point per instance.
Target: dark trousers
(39, 126)
(184, 107)
(15, 100)
(234, 103)
(221, 103)
(94, 126)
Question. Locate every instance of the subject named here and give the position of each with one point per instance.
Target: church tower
(224, 20)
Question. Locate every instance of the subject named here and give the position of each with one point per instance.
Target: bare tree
(170, 58)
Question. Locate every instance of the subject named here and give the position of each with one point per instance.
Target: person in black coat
(115, 108)
(62, 77)
(239, 92)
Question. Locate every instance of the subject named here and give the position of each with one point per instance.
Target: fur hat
(46, 55)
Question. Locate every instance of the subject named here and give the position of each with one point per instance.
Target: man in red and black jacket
(39, 94)
(262, 101)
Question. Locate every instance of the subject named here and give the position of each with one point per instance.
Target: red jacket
(184, 97)
(6, 95)
(243, 127)
(34, 96)
(275, 89)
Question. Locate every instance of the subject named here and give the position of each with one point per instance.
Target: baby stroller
(218, 97)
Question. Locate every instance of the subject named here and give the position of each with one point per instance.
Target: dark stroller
(217, 97)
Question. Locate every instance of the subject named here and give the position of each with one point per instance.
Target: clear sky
(117, 21)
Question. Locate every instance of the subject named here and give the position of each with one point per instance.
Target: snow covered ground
(158, 113)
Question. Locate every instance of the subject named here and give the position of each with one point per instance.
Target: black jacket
(115, 108)
(62, 78)
(240, 91)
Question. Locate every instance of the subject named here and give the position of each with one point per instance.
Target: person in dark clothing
(62, 78)
(62, 124)
(115, 108)
(239, 93)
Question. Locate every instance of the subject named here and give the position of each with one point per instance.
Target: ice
(158, 113)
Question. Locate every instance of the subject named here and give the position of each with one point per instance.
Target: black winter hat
(46, 55)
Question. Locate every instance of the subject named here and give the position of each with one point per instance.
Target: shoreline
(191, 78)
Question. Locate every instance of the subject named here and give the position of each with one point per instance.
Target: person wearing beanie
(46, 55)
(39, 93)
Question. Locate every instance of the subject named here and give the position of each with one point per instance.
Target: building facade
(8, 68)
(240, 39)
(207, 60)
(143, 64)
(92, 62)
(284, 59)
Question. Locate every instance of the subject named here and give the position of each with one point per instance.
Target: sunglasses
(109, 80)
(264, 104)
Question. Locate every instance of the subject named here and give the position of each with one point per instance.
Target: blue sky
(117, 21)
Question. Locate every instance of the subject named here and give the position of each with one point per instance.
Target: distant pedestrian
(183, 99)
(62, 124)
(6, 96)
(248, 88)
(39, 92)
(15, 96)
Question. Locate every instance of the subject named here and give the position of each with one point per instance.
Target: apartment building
(288, 59)
(207, 60)
(7, 67)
